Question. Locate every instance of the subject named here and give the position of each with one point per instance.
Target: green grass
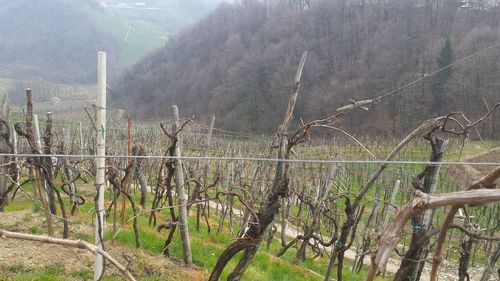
(15, 268)
(19, 272)
(35, 230)
(207, 247)
(84, 273)
(54, 274)
(144, 36)
(471, 148)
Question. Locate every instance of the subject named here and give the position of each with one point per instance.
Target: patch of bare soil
(487, 157)
(38, 256)
(472, 172)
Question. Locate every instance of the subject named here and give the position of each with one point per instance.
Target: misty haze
(250, 140)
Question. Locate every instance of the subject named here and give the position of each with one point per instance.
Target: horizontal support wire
(256, 159)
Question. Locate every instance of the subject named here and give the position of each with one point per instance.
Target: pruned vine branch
(80, 244)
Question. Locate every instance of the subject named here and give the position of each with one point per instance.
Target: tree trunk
(463, 263)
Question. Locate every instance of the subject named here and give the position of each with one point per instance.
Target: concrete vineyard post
(100, 161)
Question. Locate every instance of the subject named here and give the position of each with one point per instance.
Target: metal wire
(256, 159)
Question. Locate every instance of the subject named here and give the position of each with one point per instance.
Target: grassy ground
(137, 37)
(206, 248)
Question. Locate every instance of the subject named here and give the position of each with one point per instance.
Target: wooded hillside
(50, 40)
(235, 62)
(56, 40)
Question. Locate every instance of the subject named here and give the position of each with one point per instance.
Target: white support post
(14, 142)
(68, 171)
(100, 161)
(38, 140)
(14, 136)
(42, 184)
(390, 208)
(81, 139)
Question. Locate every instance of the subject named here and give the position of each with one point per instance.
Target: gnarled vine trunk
(251, 240)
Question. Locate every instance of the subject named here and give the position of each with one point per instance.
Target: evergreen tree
(444, 59)
(301, 4)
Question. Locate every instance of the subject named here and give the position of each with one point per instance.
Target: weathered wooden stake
(4, 148)
(181, 191)
(129, 162)
(45, 195)
(69, 173)
(205, 170)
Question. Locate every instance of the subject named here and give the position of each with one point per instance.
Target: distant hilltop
(238, 63)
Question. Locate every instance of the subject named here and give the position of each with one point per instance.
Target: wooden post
(100, 161)
(206, 166)
(181, 191)
(44, 188)
(209, 138)
(129, 162)
(4, 148)
(41, 186)
(49, 162)
(68, 172)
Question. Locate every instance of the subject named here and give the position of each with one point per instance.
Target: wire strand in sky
(480, 52)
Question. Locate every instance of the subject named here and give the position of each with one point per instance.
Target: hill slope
(50, 40)
(57, 40)
(238, 64)
(142, 29)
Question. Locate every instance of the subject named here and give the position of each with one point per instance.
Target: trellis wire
(444, 163)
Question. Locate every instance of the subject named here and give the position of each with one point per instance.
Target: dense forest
(50, 40)
(238, 63)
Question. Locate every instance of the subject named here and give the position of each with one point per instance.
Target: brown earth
(33, 256)
(474, 172)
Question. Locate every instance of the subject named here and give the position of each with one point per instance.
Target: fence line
(256, 159)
